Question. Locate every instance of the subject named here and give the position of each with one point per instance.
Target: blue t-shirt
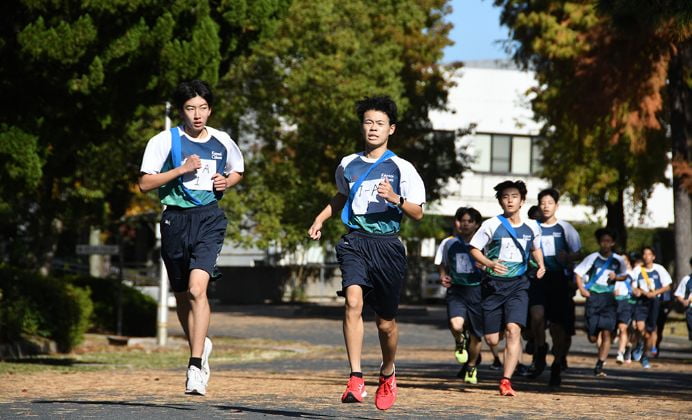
(591, 265)
(658, 276)
(558, 238)
(372, 213)
(498, 244)
(219, 154)
(454, 255)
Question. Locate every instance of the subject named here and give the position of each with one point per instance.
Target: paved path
(308, 384)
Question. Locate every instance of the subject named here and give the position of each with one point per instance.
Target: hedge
(139, 310)
(45, 306)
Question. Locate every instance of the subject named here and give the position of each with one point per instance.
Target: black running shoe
(555, 375)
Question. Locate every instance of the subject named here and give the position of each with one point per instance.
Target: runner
(191, 166)
(560, 244)
(625, 310)
(684, 295)
(507, 242)
(371, 256)
(650, 284)
(462, 278)
(603, 269)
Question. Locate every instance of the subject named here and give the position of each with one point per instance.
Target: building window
(504, 154)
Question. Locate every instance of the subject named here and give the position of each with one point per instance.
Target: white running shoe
(621, 358)
(206, 371)
(195, 385)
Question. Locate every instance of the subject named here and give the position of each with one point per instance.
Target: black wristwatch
(401, 201)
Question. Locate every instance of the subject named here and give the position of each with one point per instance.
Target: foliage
(294, 97)
(45, 306)
(139, 310)
(83, 87)
(599, 95)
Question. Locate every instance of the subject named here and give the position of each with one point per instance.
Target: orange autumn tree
(601, 96)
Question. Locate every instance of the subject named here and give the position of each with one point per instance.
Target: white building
(494, 97)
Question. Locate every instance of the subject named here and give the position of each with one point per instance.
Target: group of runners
(498, 271)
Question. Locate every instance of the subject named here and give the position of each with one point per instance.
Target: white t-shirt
(370, 212)
(657, 275)
(217, 152)
(591, 265)
(681, 291)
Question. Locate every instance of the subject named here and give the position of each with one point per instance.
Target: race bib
(464, 263)
(509, 251)
(366, 200)
(548, 245)
(201, 178)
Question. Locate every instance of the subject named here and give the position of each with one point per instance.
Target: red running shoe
(506, 388)
(386, 392)
(355, 390)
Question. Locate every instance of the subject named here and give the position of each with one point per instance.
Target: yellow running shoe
(460, 353)
(471, 377)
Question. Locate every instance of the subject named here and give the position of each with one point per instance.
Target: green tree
(294, 98)
(83, 87)
(600, 97)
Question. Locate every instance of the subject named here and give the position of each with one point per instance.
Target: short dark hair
(604, 231)
(551, 192)
(189, 89)
(644, 248)
(474, 214)
(377, 103)
(535, 213)
(519, 185)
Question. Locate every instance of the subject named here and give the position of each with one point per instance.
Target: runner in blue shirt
(651, 283)
(560, 244)
(191, 166)
(603, 269)
(462, 278)
(684, 295)
(507, 243)
(376, 189)
(625, 309)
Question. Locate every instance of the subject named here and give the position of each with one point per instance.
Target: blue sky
(476, 28)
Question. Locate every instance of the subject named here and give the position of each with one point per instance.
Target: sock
(196, 362)
(504, 378)
(387, 376)
(357, 374)
(600, 363)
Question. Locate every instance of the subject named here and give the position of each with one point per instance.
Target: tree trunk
(616, 221)
(680, 97)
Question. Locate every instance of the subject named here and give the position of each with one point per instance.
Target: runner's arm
(335, 205)
(148, 182)
(494, 266)
(537, 255)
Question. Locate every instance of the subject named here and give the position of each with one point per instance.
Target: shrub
(45, 306)
(139, 311)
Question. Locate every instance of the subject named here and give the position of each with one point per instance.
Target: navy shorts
(191, 238)
(505, 300)
(559, 300)
(377, 263)
(647, 310)
(625, 311)
(688, 314)
(465, 302)
(601, 313)
(537, 292)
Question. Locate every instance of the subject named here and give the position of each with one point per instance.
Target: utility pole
(162, 315)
